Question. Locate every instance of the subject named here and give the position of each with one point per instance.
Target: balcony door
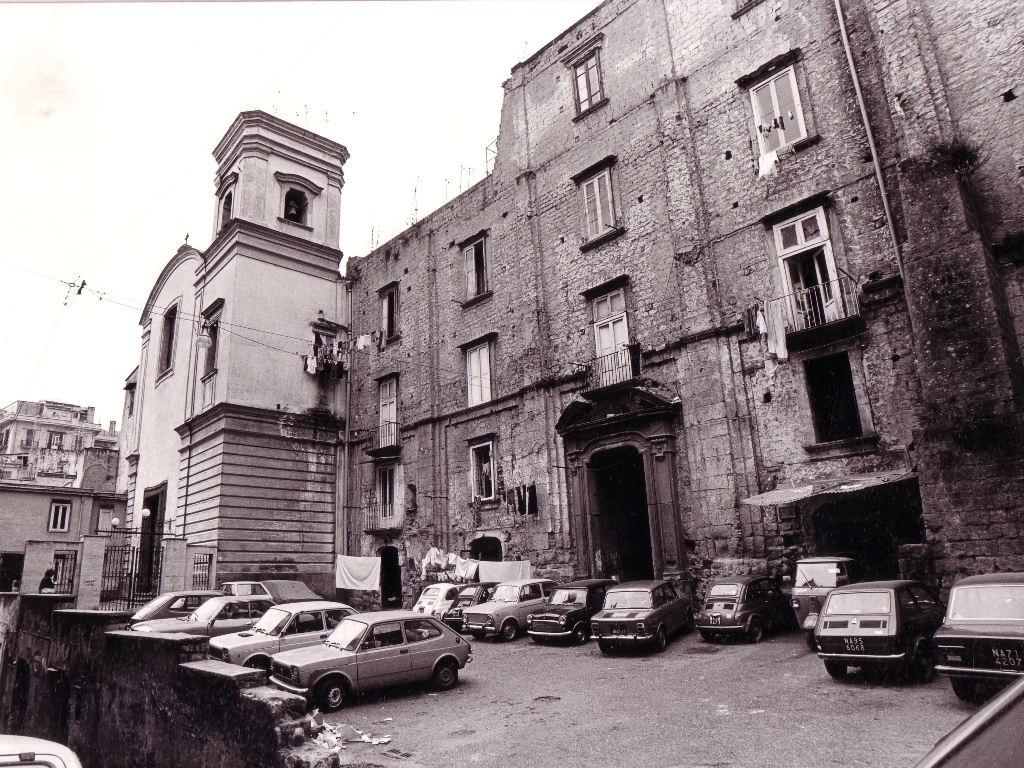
(388, 413)
(808, 270)
(611, 333)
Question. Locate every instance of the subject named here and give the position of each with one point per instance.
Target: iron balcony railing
(382, 517)
(820, 304)
(385, 439)
(617, 367)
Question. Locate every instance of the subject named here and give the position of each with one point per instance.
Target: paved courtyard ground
(696, 705)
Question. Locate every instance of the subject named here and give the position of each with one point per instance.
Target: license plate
(618, 630)
(716, 619)
(1007, 658)
(854, 644)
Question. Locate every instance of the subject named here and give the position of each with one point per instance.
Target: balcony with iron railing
(820, 314)
(617, 368)
(382, 518)
(385, 440)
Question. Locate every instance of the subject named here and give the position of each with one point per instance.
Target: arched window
(295, 204)
(225, 210)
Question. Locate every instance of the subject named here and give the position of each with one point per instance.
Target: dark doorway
(620, 524)
(19, 696)
(150, 530)
(390, 578)
(485, 548)
(871, 525)
(11, 566)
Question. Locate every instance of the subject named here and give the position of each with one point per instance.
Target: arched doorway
(486, 548)
(390, 578)
(620, 524)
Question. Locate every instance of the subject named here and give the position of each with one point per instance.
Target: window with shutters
(60, 516)
(598, 208)
(474, 255)
(611, 334)
(478, 373)
(388, 413)
(589, 91)
(389, 313)
(482, 479)
(386, 492)
(778, 112)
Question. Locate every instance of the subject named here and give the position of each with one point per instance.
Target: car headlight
(561, 621)
(529, 619)
(143, 629)
(490, 621)
(293, 671)
(728, 615)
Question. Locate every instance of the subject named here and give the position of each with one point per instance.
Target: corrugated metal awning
(829, 486)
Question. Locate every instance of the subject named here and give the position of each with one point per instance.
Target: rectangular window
(597, 204)
(210, 360)
(166, 361)
(478, 373)
(60, 516)
(3, 440)
(475, 256)
(56, 441)
(483, 471)
(777, 111)
(588, 82)
(809, 273)
(129, 397)
(386, 491)
(389, 314)
(388, 413)
(833, 398)
(611, 334)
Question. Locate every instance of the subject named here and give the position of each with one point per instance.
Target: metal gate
(131, 575)
(201, 571)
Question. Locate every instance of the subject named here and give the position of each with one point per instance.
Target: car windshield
(207, 610)
(466, 597)
(990, 602)
(628, 599)
(563, 596)
(273, 621)
(506, 593)
(346, 635)
(152, 607)
(724, 590)
(857, 603)
(430, 592)
(817, 575)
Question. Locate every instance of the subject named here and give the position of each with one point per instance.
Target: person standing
(46, 585)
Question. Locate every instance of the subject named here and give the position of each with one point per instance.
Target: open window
(389, 312)
(833, 398)
(478, 373)
(482, 476)
(474, 255)
(778, 112)
(598, 210)
(226, 209)
(809, 272)
(611, 335)
(388, 413)
(386, 492)
(295, 206)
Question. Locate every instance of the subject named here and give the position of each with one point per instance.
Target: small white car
(282, 628)
(436, 599)
(26, 750)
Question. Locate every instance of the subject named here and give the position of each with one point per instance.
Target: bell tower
(276, 175)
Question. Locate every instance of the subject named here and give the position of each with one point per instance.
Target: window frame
(603, 227)
(392, 401)
(769, 81)
(389, 314)
(474, 480)
(168, 339)
(227, 207)
(303, 209)
(788, 256)
(479, 384)
(478, 281)
(385, 510)
(818, 418)
(64, 508)
(581, 69)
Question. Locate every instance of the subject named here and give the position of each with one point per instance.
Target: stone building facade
(743, 285)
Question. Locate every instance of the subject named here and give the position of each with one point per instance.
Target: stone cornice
(241, 237)
(259, 128)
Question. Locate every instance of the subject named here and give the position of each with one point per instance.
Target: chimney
(89, 413)
(113, 427)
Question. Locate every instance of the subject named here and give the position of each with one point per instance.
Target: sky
(109, 114)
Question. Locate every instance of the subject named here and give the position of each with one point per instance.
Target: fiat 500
(745, 605)
(567, 614)
(641, 613)
(505, 614)
(879, 626)
(373, 650)
(281, 628)
(981, 642)
(436, 599)
(469, 595)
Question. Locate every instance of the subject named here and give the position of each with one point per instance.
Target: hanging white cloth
(768, 164)
(508, 570)
(362, 573)
(465, 568)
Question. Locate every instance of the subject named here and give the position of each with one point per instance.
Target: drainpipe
(871, 140)
(348, 414)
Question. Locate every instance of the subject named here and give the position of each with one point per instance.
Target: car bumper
(626, 639)
(725, 629)
(457, 624)
(479, 630)
(859, 658)
(279, 683)
(539, 633)
(976, 674)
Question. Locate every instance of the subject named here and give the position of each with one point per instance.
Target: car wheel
(924, 663)
(966, 690)
(661, 640)
(755, 631)
(708, 637)
(691, 623)
(509, 630)
(330, 694)
(580, 634)
(605, 647)
(812, 643)
(446, 675)
(261, 662)
(835, 669)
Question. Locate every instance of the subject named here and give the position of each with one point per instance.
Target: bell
(292, 210)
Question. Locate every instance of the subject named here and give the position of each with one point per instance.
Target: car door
(911, 621)
(305, 628)
(753, 602)
(675, 611)
(931, 610)
(530, 596)
(383, 657)
(426, 642)
(233, 617)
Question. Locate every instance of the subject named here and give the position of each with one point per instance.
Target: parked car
(641, 613)
(568, 611)
(743, 605)
(815, 577)
(469, 595)
(992, 737)
(26, 750)
(373, 650)
(281, 628)
(505, 613)
(278, 590)
(436, 599)
(217, 616)
(981, 643)
(879, 626)
(171, 605)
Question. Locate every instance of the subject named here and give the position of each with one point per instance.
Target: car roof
(192, 592)
(483, 584)
(586, 583)
(826, 559)
(867, 586)
(992, 578)
(738, 579)
(635, 585)
(16, 745)
(309, 605)
(373, 616)
(239, 598)
(524, 582)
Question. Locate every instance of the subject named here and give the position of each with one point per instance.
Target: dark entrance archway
(390, 578)
(485, 548)
(620, 523)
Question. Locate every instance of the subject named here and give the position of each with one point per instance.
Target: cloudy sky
(109, 115)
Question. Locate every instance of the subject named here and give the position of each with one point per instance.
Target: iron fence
(201, 571)
(64, 563)
(131, 574)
